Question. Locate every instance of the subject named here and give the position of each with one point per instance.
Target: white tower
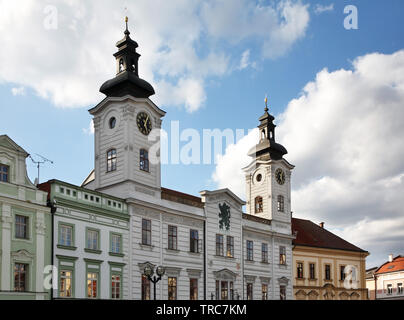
(268, 175)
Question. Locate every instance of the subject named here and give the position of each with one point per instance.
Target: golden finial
(266, 103)
(126, 19)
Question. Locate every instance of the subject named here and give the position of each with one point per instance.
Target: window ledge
(300, 278)
(249, 261)
(195, 253)
(96, 251)
(172, 250)
(328, 280)
(264, 262)
(313, 279)
(116, 254)
(283, 265)
(146, 246)
(64, 247)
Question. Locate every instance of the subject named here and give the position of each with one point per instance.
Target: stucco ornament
(224, 216)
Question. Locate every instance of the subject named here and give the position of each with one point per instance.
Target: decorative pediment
(173, 271)
(22, 255)
(283, 281)
(144, 265)
(225, 274)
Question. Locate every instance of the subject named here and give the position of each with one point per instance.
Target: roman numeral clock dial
(280, 176)
(144, 123)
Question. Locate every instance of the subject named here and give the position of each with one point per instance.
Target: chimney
(390, 258)
(321, 224)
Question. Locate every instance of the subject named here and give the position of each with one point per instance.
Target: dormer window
(111, 160)
(258, 205)
(4, 173)
(120, 65)
(144, 160)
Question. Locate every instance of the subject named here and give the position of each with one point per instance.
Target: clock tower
(268, 175)
(126, 130)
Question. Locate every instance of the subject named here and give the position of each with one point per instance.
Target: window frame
(327, 276)
(172, 288)
(258, 204)
(193, 289)
(146, 232)
(250, 250)
(281, 203)
(111, 247)
(144, 164)
(230, 247)
(62, 225)
(96, 231)
(282, 256)
(312, 271)
(172, 237)
(300, 271)
(26, 230)
(112, 160)
(264, 253)
(26, 277)
(250, 291)
(219, 245)
(194, 241)
(145, 288)
(4, 173)
(264, 293)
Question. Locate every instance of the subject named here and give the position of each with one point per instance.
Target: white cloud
(245, 61)
(67, 65)
(90, 129)
(19, 91)
(345, 134)
(323, 8)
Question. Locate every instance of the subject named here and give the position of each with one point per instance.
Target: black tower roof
(127, 79)
(267, 148)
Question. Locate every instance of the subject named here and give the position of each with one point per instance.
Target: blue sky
(36, 116)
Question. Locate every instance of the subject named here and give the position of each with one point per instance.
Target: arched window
(144, 160)
(111, 160)
(258, 205)
(120, 65)
(281, 204)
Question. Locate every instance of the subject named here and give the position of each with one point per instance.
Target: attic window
(4, 173)
(391, 267)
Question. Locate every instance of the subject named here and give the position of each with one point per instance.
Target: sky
(333, 72)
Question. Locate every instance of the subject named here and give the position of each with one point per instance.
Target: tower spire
(127, 33)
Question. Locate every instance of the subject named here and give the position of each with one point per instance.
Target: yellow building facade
(326, 267)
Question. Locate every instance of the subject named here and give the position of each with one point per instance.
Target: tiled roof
(312, 235)
(396, 265)
(181, 197)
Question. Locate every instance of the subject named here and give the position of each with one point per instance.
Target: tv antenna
(38, 164)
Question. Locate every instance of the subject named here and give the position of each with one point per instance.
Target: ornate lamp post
(149, 271)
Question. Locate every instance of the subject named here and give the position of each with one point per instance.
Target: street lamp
(149, 271)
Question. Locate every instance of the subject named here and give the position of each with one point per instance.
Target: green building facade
(25, 229)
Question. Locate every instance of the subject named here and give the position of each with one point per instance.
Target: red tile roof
(312, 235)
(396, 265)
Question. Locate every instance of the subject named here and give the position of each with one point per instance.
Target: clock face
(280, 176)
(144, 123)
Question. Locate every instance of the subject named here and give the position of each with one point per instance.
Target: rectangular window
(399, 288)
(312, 271)
(146, 232)
(92, 285)
(264, 252)
(4, 173)
(145, 288)
(111, 160)
(217, 289)
(172, 288)
(144, 160)
(282, 291)
(172, 237)
(342, 272)
(230, 247)
(282, 255)
(250, 250)
(219, 245)
(231, 290)
(194, 241)
(389, 289)
(20, 277)
(299, 272)
(66, 235)
(92, 239)
(249, 291)
(264, 291)
(21, 227)
(65, 287)
(327, 272)
(193, 289)
(224, 291)
(115, 286)
(116, 240)
(281, 203)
